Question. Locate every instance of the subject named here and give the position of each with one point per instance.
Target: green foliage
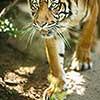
(7, 27)
(59, 95)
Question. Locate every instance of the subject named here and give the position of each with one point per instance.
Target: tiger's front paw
(56, 86)
(48, 92)
(81, 61)
(52, 92)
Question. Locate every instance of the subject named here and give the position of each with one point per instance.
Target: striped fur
(55, 19)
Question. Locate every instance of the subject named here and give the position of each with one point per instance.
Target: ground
(23, 77)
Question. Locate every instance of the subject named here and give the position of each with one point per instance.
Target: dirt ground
(23, 76)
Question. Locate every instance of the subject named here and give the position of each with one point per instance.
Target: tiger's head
(51, 16)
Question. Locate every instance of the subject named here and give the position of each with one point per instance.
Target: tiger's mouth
(46, 33)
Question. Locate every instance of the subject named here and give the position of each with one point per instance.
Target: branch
(6, 9)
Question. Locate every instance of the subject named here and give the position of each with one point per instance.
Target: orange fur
(87, 33)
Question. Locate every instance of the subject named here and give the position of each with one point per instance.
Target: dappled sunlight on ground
(25, 70)
(76, 82)
(19, 78)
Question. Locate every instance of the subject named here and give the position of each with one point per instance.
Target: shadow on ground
(20, 75)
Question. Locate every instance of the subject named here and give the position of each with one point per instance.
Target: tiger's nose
(42, 24)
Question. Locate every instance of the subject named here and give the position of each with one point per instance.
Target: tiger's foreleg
(55, 53)
(81, 59)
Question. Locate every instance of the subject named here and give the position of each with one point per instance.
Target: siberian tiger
(55, 19)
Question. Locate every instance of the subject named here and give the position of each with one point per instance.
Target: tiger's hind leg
(81, 59)
(55, 53)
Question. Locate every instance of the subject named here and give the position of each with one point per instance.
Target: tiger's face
(51, 15)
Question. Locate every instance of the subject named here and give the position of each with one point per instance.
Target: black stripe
(85, 13)
(63, 5)
(77, 2)
(61, 55)
(69, 6)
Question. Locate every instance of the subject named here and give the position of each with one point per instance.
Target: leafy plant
(7, 27)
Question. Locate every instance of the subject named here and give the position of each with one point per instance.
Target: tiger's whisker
(27, 26)
(27, 40)
(25, 33)
(31, 38)
(26, 29)
(66, 41)
(63, 38)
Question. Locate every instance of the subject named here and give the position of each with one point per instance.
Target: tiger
(55, 20)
